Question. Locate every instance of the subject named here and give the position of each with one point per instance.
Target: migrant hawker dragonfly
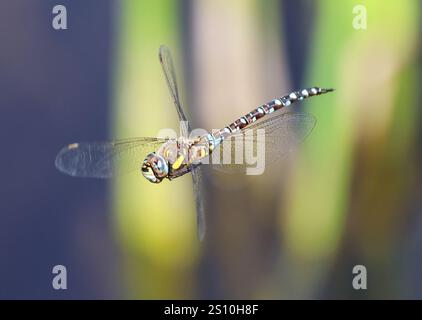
(158, 159)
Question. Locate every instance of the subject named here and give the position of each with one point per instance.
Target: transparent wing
(168, 69)
(281, 133)
(105, 159)
(200, 211)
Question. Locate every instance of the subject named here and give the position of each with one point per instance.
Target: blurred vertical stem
(364, 66)
(155, 223)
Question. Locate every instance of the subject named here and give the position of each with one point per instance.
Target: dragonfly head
(155, 168)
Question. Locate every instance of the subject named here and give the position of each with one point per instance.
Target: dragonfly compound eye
(155, 168)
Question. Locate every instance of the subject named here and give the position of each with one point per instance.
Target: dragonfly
(159, 159)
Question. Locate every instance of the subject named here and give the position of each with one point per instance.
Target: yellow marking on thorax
(202, 153)
(176, 165)
(73, 146)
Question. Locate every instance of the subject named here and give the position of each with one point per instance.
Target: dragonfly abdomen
(266, 109)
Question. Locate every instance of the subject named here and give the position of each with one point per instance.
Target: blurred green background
(350, 196)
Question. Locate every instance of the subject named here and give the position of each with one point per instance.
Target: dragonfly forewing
(105, 159)
(168, 69)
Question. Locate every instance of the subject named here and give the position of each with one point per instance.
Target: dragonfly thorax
(174, 159)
